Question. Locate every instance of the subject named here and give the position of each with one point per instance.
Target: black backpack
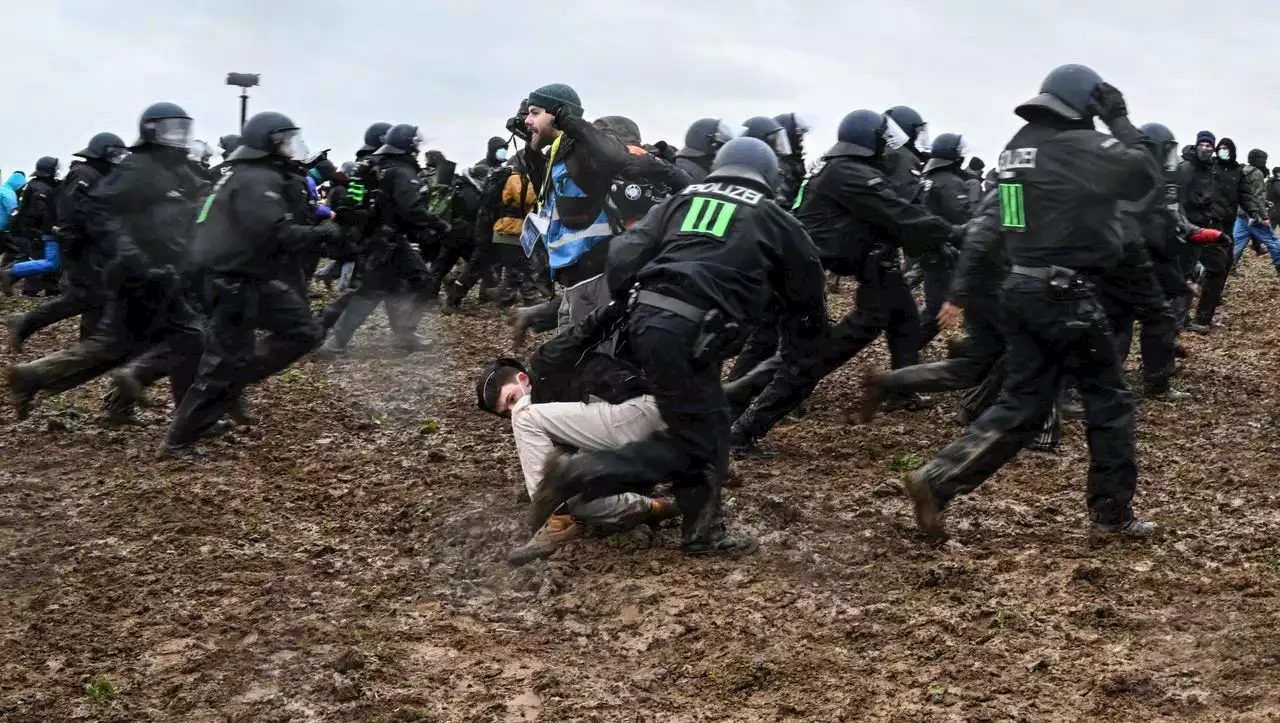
(491, 200)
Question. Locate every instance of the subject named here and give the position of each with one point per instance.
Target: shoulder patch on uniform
(873, 182)
(1109, 142)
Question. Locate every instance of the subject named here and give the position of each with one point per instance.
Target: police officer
(390, 262)
(228, 144)
(1060, 181)
(695, 265)
(33, 222)
(904, 165)
(859, 223)
(248, 236)
(947, 194)
(142, 213)
(82, 254)
(775, 136)
(701, 142)
(792, 168)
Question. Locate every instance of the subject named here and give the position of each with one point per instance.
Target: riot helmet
(199, 152)
(164, 124)
(47, 167)
(797, 128)
(373, 137)
(705, 137)
(1161, 143)
(912, 123)
(104, 146)
(270, 134)
(768, 130)
(401, 140)
(947, 149)
(1067, 92)
(747, 159)
(229, 143)
(866, 134)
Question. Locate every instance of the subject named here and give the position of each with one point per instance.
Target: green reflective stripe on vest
(204, 210)
(1012, 208)
(800, 195)
(355, 191)
(708, 216)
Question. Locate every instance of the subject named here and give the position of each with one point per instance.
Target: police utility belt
(1065, 286)
(715, 333)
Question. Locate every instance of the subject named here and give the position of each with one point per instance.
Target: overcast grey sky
(459, 68)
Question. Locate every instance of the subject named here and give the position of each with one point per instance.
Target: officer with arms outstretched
(694, 268)
(1059, 184)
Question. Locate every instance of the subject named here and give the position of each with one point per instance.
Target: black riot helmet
(911, 123)
(797, 128)
(229, 143)
(1067, 92)
(270, 134)
(947, 149)
(1161, 143)
(747, 159)
(46, 167)
(768, 130)
(705, 137)
(104, 146)
(866, 134)
(402, 139)
(373, 137)
(164, 124)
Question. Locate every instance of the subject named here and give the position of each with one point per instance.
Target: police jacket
(697, 167)
(717, 245)
(565, 369)
(903, 166)
(850, 208)
(82, 255)
(256, 223)
(148, 206)
(400, 205)
(35, 212)
(792, 169)
(983, 263)
(1059, 188)
(948, 195)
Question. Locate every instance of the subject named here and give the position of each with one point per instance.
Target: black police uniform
(1059, 184)
(389, 265)
(859, 221)
(701, 255)
(947, 195)
(142, 212)
(248, 237)
(31, 223)
(82, 259)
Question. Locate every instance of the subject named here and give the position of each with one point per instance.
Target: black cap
(487, 387)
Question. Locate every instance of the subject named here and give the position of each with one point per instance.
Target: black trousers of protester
(1045, 342)
(395, 275)
(1132, 293)
(230, 362)
(137, 316)
(75, 300)
(883, 303)
(693, 452)
(482, 267)
(451, 252)
(1216, 259)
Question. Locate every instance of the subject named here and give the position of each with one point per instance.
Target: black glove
(559, 114)
(1109, 102)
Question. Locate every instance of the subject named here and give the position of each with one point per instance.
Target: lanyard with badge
(535, 224)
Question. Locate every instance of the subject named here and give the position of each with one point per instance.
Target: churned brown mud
(344, 561)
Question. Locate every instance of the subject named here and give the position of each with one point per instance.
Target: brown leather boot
(558, 531)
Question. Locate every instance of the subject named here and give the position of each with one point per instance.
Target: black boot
(703, 531)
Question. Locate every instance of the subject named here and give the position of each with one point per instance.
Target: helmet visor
(894, 136)
(723, 134)
(198, 151)
(115, 154)
(289, 143)
(802, 125)
(1172, 158)
(924, 140)
(780, 143)
(172, 132)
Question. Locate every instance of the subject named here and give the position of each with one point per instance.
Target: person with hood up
(496, 155)
(8, 205)
(1257, 230)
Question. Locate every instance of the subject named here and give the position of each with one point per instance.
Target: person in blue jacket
(8, 205)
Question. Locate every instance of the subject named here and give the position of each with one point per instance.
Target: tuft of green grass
(906, 462)
(101, 692)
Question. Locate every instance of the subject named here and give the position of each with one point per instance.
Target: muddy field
(344, 561)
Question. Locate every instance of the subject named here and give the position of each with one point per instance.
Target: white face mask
(1224, 154)
(500, 154)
